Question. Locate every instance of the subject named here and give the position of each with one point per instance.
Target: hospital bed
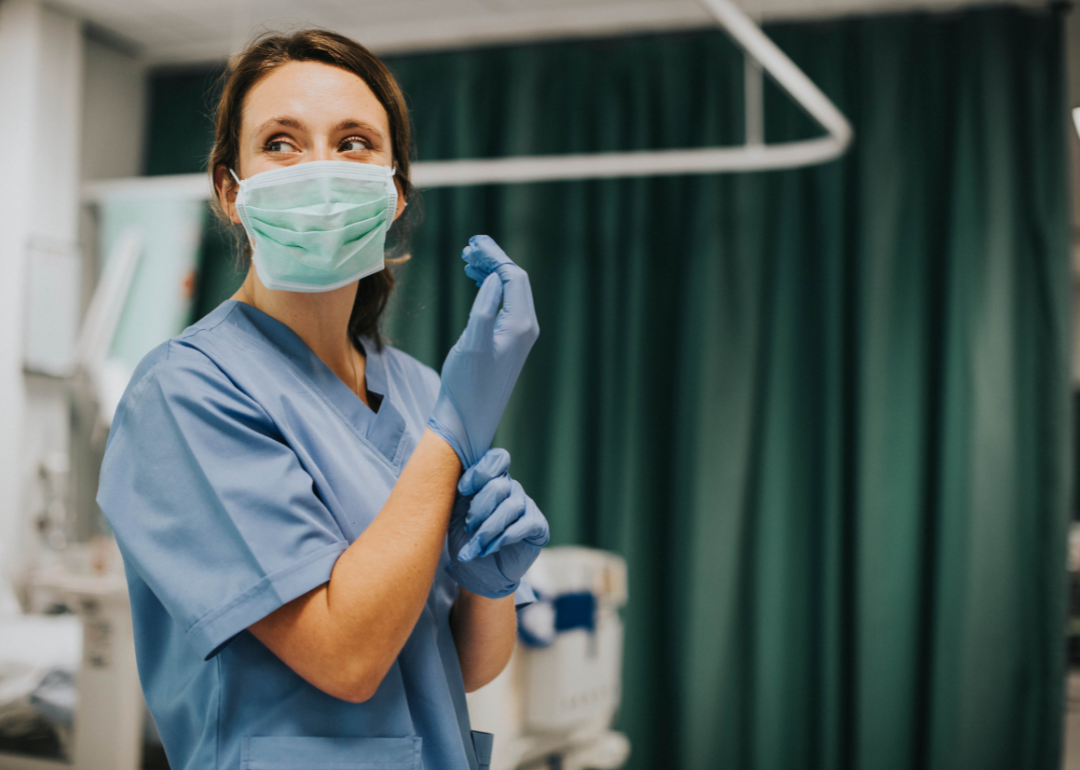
(99, 716)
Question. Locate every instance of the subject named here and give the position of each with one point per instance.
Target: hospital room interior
(799, 430)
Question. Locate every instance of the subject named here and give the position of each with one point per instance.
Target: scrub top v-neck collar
(385, 428)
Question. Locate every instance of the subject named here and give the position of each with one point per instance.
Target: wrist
(437, 443)
(446, 423)
(482, 579)
(468, 600)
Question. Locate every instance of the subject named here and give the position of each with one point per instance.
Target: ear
(401, 202)
(225, 188)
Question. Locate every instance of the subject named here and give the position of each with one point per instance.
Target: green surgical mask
(317, 226)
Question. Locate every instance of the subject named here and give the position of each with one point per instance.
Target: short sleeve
(524, 595)
(209, 505)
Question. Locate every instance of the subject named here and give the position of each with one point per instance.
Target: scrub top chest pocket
(304, 753)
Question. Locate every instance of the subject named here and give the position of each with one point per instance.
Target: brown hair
(263, 56)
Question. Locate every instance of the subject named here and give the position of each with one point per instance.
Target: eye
(280, 144)
(354, 144)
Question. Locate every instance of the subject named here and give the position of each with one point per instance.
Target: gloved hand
(480, 370)
(496, 530)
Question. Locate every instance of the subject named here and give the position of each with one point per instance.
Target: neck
(320, 319)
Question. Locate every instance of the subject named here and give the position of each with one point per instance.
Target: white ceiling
(174, 31)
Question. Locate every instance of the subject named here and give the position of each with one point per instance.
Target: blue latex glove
(480, 370)
(496, 530)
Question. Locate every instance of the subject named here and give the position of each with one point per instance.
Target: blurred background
(823, 417)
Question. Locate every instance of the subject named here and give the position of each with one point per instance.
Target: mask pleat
(308, 219)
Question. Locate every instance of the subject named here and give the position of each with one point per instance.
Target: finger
(484, 255)
(484, 541)
(524, 530)
(531, 527)
(506, 513)
(518, 313)
(484, 312)
(475, 274)
(486, 501)
(493, 464)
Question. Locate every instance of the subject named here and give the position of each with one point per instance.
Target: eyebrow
(287, 122)
(348, 124)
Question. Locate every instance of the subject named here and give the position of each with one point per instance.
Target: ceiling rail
(761, 55)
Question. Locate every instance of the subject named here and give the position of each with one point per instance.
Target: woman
(314, 581)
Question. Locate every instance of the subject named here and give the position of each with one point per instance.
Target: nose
(323, 150)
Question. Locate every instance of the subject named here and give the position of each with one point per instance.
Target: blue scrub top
(238, 469)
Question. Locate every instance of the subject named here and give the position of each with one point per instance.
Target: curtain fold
(822, 413)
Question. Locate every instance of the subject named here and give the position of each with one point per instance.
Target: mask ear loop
(404, 204)
(251, 241)
(234, 176)
(393, 172)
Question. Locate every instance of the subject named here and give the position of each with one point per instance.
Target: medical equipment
(107, 730)
(760, 55)
(479, 372)
(557, 699)
(39, 656)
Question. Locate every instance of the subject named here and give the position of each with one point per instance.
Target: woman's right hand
(496, 530)
(481, 369)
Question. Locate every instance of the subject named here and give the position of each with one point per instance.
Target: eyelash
(360, 139)
(286, 140)
(277, 140)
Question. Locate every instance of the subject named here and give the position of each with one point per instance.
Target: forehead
(316, 94)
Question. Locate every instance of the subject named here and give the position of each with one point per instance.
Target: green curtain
(822, 413)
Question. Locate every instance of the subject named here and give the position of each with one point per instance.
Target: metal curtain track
(761, 55)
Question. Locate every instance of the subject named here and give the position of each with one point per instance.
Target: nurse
(323, 554)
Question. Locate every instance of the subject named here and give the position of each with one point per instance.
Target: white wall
(113, 121)
(41, 62)
(114, 111)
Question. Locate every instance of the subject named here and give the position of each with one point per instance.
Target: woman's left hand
(481, 369)
(496, 530)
